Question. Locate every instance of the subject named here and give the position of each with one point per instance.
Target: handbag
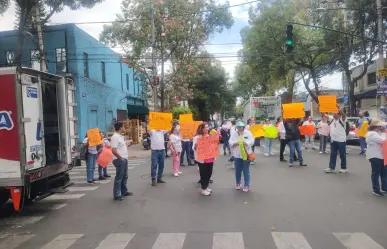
(251, 156)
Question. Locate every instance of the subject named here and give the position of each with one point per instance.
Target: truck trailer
(262, 108)
(38, 135)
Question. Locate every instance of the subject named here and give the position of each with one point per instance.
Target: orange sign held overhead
(256, 130)
(294, 110)
(188, 130)
(307, 130)
(160, 121)
(185, 118)
(94, 138)
(207, 147)
(327, 103)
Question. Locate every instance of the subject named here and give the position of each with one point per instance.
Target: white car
(352, 136)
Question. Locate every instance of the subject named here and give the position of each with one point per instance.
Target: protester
(362, 137)
(225, 133)
(102, 172)
(309, 139)
(206, 166)
(338, 142)
(268, 140)
(175, 142)
(375, 140)
(186, 150)
(293, 136)
(251, 122)
(91, 160)
(158, 150)
(166, 142)
(282, 137)
(120, 161)
(323, 131)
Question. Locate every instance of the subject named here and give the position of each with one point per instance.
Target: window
(371, 78)
(10, 57)
(86, 65)
(103, 72)
(35, 60)
(61, 60)
(127, 81)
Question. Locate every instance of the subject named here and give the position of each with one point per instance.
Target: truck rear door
(33, 121)
(73, 121)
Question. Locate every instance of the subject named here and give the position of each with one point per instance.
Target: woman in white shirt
(176, 148)
(323, 131)
(375, 139)
(102, 172)
(268, 140)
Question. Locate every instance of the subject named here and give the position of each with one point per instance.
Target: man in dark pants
(283, 141)
(158, 156)
(186, 145)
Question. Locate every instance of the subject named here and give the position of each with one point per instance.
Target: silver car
(352, 136)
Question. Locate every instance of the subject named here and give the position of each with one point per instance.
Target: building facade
(107, 89)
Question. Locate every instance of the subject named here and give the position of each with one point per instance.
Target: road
(300, 207)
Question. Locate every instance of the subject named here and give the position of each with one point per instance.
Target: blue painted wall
(98, 101)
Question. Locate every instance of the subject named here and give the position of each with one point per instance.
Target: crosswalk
(228, 240)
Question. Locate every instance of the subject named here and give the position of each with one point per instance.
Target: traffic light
(289, 38)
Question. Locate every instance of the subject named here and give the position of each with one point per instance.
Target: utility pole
(154, 85)
(38, 23)
(380, 61)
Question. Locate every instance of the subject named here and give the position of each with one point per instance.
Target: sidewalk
(137, 150)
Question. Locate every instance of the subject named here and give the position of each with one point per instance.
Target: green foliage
(4, 4)
(177, 110)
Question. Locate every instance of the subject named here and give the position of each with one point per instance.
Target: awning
(364, 95)
(137, 110)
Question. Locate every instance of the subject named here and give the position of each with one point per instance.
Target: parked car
(352, 136)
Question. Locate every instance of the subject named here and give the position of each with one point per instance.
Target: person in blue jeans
(293, 135)
(241, 141)
(91, 160)
(158, 156)
(338, 142)
(186, 150)
(120, 161)
(102, 172)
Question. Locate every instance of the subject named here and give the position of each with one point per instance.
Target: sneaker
(383, 191)
(205, 192)
(128, 194)
(329, 170)
(107, 176)
(176, 174)
(118, 198)
(180, 173)
(153, 182)
(325, 152)
(272, 154)
(290, 164)
(238, 187)
(283, 160)
(362, 153)
(321, 152)
(266, 154)
(343, 171)
(252, 162)
(378, 193)
(90, 182)
(160, 180)
(246, 189)
(102, 178)
(209, 190)
(303, 164)
(285, 153)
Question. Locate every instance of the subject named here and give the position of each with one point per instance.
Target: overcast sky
(107, 10)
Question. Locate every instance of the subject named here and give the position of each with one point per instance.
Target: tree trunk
(162, 87)
(24, 10)
(317, 91)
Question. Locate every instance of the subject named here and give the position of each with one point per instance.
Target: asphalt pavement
(299, 207)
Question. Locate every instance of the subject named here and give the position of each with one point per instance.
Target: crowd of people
(239, 143)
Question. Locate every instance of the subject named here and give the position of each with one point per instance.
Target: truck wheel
(4, 197)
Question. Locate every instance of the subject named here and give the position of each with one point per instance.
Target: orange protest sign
(93, 137)
(307, 130)
(327, 103)
(256, 130)
(188, 130)
(160, 121)
(207, 147)
(294, 110)
(105, 157)
(185, 118)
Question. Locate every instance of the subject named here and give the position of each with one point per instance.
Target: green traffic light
(289, 42)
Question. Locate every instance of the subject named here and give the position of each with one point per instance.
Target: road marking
(63, 241)
(169, 241)
(14, 241)
(21, 221)
(77, 177)
(76, 189)
(290, 241)
(228, 241)
(58, 206)
(357, 241)
(85, 182)
(64, 197)
(116, 241)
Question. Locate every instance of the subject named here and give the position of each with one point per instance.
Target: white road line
(21, 221)
(14, 241)
(63, 241)
(76, 189)
(228, 241)
(169, 241)
(290, 241)
(85, 182)
(357, 241)
(77, 177)
(58, 206)
(116, 241)
(64, 197)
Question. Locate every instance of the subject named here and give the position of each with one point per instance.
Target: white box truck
(38, 134)
(262, 108)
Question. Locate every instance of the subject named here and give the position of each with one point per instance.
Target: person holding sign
(91, 160)
(293, 136)
(158, 155)
(205, 166)
(309, 138)
(175, 146)
(268, 138)
(242, 142)
(120, 161)
(362, 125)
(102, 172)
(323, 131)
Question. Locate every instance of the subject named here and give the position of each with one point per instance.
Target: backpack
(347, 126)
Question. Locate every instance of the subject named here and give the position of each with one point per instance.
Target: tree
(25, 8)
(181, 28)
(177, 110)
(4, 4)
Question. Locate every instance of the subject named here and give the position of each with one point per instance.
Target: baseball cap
(240, 124)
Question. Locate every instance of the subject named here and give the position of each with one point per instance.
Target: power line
(147, 19)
